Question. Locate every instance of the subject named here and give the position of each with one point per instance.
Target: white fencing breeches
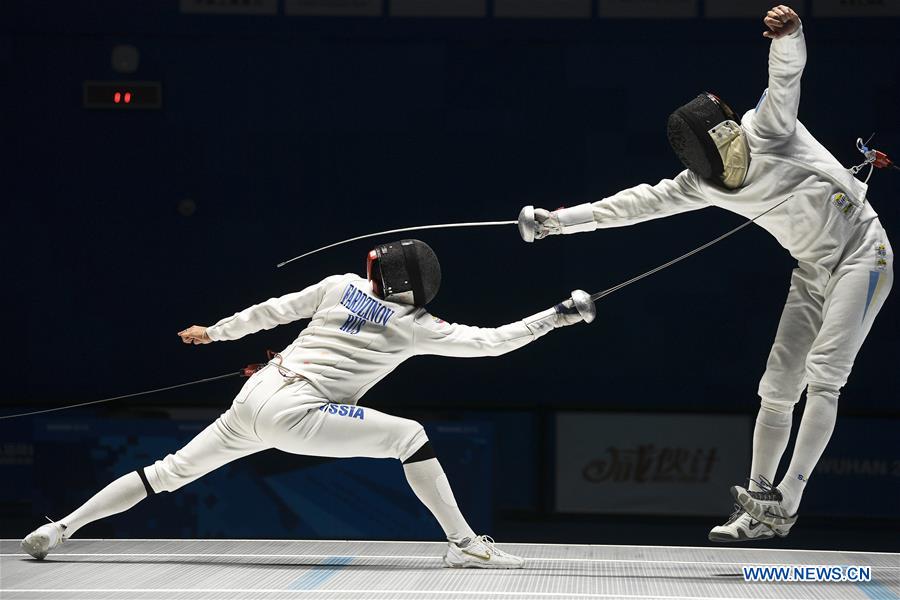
(270, 412)
(825, 320)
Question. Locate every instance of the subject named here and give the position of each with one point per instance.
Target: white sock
(770, 438)
(428, 481)
(815, 431)
(118, 496)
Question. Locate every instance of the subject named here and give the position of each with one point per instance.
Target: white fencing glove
(545, 223)
(579, 307)
(538, 223)
(568, 313)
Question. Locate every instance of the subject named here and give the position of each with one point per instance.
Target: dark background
(280, 134)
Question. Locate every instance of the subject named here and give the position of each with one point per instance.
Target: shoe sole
(743, 498)
(721, 538)
(479, 565)
(36, 547)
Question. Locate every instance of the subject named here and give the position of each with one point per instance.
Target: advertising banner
(649, 464)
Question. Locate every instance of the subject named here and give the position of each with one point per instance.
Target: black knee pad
(425, 452)
(146, 483)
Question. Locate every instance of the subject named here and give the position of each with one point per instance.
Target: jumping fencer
(304, 401)
(845, 261)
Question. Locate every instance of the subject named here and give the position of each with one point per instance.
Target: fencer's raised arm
(633, 205)
(776, 112)
(271, 313)
(435, 336)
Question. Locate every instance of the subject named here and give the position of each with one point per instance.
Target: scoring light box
(123, 95)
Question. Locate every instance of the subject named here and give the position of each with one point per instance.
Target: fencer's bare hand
(195, 334)
(781, 21)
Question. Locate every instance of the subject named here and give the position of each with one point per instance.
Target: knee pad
(425, 452)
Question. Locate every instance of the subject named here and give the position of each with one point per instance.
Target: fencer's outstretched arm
(776, 113)
(265, 315)
(435, 336)
(633, 205)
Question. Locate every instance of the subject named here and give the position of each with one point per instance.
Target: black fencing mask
(707, 138)
(407, 271)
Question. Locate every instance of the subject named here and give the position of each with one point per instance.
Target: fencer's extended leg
(854, 297)
(225, 440)
(855, 293)
(785, 376)
(816, 427)
(118, 496)
(222, 442)
(779, 390)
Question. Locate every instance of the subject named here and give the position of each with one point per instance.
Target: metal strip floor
(353, 570)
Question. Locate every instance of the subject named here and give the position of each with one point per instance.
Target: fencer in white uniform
(844, 270)
(304, 401)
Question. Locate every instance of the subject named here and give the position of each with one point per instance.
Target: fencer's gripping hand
(195, 334)
(781, 21)
(574, 309)
(567, 314)
(545, 223)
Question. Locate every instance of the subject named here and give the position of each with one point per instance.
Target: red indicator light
(127, 97)
(117, 97)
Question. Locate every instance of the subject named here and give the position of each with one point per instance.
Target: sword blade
(134, 395)
(615, 288)
(401, 230)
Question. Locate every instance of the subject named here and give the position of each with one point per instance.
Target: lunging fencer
(304, 401)
(845, 262)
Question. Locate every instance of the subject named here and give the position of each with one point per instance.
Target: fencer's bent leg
(429, 482)
(344, 431)
(784, 379)
(337, 430)
(855, 295)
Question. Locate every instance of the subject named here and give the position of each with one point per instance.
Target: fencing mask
(707, 138)
(407, 271)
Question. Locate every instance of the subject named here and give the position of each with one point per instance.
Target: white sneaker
(480, 553)
(45, 538)
(740, 527)
(766, 505)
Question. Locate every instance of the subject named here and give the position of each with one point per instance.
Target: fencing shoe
(765, 506)
(740, 527)
(45, 538)
(480, 553)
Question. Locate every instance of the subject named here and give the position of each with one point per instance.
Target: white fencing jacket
(355, 338)
(828, 216)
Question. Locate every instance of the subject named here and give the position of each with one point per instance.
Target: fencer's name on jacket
(363, 309)
(344, 410)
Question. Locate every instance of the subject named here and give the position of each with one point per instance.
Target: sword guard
(584, 305)
(526, 223)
